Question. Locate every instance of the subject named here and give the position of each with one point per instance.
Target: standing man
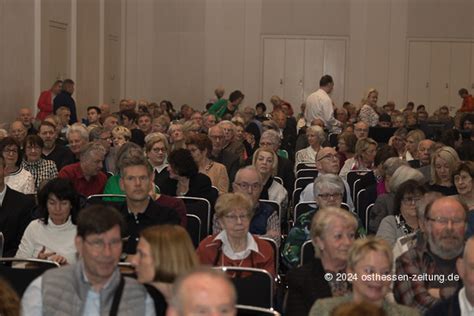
(65, 99)
(94, 285)
(319, 106)
(46, 98)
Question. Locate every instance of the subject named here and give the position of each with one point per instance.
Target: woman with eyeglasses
(16, 177)
(404, 219)
(156, 150)
(463, 180)
(328, 192)
(365, 151)
(234, 246)
(41, 169)
(52, 236)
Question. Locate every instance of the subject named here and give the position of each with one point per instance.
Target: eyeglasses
(328, 156)
(236, 218)
(327, 196)
(158, 150)
(411, 200)
(245, 186)
(361, 130)
(99, 244)
(33, 147)
(10, 151)
(444, 221)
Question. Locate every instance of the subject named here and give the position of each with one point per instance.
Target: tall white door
(334, 65)
(57, 58)
(313, 65)
(439, 75)
(460, 72)
(273, 68)
(293, 79)
(419, 72)
(112, 70)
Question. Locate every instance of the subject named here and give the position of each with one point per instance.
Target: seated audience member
(328, 192)
(220, 155)
(18, 132)
(176, 136)
(110, 121)
(185, 179)
(346, 143)
(45, 100)
(265, 161)
(231, 144)
(459, 304)
(120, 136)
(463, 177)
(203, 289)
(63, 114)
(156, 150)
(384, 204)
(96, 276)
(140, 210)
(287, 131)
(77, 137)
(26, 117)
(15, 211)
(209, 121)
(404, 220)
(369, 256)
(60, 154)
(160, 124)
(443, 163)
(104, 137)
(326, 163)
(129, 120)
(434, 256)
(399, 141)
(365, 151)
(93, 116)
(163, 254)
(52, 236)
(235, 245)
(385, 120)
(398, 120)
(332, 232)
(271, 140)
(316, 137)
(425, 148)
(200, 147)
(385, 170)
(86, 175)
(41, 169)
(361, 130)
(144, 123)
(16, 177)
(341, 115)
(414, 137)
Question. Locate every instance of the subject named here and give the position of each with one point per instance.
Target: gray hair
(79, 129)
(403, 174)
(318, 130)
(95, 133)
(89, 148)
(273, 135)
(126, 150)
(251, 168)
(328, 181)
(392, 164)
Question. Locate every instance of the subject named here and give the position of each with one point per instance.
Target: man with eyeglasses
(361, 130)
(94, 285)
(431, 264)
(327, 162)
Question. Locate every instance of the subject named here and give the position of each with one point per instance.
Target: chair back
(194, 228)
(305, 165)
(307, 173)
(303, 207)
(307, 252)
(367, 216)
(276, 253)
(202, 209)
(245, 310)
(114, 200)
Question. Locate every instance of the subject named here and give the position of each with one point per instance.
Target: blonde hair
(324, 218)
(153, 138)
(172, 251)
(449, 155)
(365, 99)
(122, 131)
(362, 145)
(228, 202)
(274, 155)
(361, 247)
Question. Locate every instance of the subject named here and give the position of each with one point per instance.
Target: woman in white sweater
(52, 235)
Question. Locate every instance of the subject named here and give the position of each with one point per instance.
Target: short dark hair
(325, 80)
(463, 91)
(95, 133)
(145, 114)
(94, 108)
(33, 140)
(236, 95)
(383, 153)
(410, 186)
(132, 157)
(183, 163)
(130, 114)
(98, 219)
(262, 106)
(63, 189)
(46, 123)
(201, 141)
(68, 82)
(9, 141)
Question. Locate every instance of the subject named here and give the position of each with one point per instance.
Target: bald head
(424, 151)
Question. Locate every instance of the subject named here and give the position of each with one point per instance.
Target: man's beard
(449, 252)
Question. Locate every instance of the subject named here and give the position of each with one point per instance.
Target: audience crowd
(359, 206)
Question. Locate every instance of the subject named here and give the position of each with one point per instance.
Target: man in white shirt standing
(319, 106)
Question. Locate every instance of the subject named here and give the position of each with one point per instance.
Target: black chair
(278, 179)
(303, 207)
(307, 252)
(302, 182)
(245, 310)
(305, 165)
(307, 173)
(194, 228)
(332, 139)
(352, 177)
(367, 216)
(127, 269)
(21, 272)
(114, 200)
(202, 209)
(248, 282)
(276, 253)
(364, 199)
(295, 198)
(274, 205)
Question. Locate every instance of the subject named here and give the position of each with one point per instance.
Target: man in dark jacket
(65, 99)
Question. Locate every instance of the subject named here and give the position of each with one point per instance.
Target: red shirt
(73, 172)
(467, 104)
(45, 105)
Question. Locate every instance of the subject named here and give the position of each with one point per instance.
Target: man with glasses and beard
(429, 268)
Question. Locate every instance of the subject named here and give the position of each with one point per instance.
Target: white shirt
(231, 254)
(319, 105)
(466, 308)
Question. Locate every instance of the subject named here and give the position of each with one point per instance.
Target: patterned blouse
(368, 115)
(42, 170)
